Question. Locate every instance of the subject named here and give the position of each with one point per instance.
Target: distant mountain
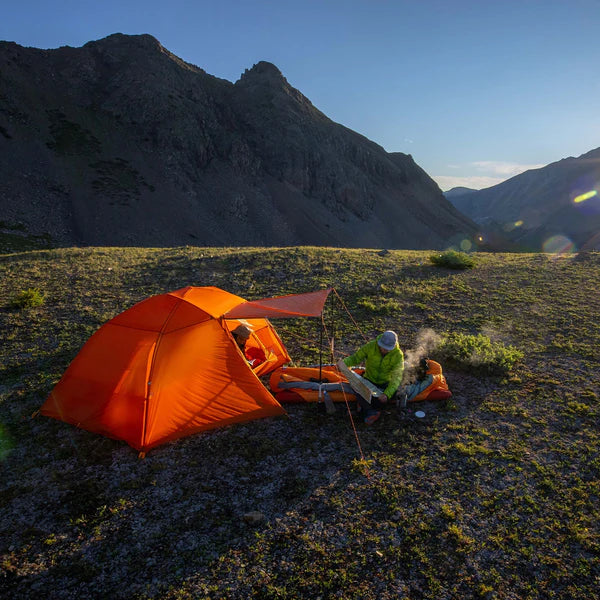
(458, 191)
(120, 142)
(557, 204)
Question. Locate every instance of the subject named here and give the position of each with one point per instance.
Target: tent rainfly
(169, 367)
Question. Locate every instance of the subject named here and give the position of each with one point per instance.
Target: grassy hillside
(494, 494)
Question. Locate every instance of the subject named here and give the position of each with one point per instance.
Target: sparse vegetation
(453, 260)
(492, 495)
(478, 354)
(29, 298)
(69, 138)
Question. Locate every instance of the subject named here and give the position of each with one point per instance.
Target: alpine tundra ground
(495, 494)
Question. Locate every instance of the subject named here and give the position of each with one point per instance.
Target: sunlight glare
(508, 227)
(584, 197)
(558, 244)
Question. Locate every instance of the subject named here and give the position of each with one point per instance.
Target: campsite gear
(329, 405)
(438, 386)
(368, 396)
(308, 384)
(359, 384)
(401, 399)
(304, 384)
(419, 414)
(169, 367)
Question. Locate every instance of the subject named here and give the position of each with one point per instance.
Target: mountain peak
(263, 72)
(264, 67)
(143, 40)
(137, 125)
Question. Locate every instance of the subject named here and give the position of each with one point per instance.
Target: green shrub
(477, 353)
(28, 298)
(366, 304)
(453, 260)
(385, 306)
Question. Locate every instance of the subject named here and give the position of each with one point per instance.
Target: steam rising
(427, 341)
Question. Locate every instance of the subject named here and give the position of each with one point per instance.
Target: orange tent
(169, 366)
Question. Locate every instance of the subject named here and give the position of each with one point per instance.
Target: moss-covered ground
(495, 494)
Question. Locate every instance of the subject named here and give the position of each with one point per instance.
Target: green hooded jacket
(384, 371)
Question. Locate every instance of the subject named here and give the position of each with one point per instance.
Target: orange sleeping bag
(307, 384)
(438, 388)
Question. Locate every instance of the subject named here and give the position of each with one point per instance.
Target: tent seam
(151, 373)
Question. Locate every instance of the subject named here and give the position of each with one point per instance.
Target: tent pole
(333, 317)
(321, 350)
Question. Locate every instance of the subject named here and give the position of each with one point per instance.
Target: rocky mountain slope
(120, 142)
(542, 208)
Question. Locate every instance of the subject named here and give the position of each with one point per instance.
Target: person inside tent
(254, 355)
(384, 367)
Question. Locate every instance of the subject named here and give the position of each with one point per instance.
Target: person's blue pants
(369, 409)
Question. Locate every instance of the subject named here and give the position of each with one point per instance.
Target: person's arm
(396, 372)
(357, 358)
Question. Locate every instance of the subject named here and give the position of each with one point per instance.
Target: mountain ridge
(120, 142)
(554, 204)
(458, 191)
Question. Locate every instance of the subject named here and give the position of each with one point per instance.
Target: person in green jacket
(384, 367)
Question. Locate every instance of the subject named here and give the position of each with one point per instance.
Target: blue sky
(476, 91)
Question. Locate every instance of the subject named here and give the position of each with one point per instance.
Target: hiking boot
(373, 417)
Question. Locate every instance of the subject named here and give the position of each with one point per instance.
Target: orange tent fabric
(166, 368)
(294, 305)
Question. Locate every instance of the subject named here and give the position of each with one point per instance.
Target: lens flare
(558, 244)
(466, 245)
(508, 227)
(584, 197)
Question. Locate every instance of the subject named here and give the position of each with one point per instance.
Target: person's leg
(370, 412)
(374, 410)
(412, 390)
(362, 406)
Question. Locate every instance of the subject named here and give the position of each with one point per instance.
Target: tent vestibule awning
(309, 304)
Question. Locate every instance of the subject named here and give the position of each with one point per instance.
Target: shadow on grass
(101, 512)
